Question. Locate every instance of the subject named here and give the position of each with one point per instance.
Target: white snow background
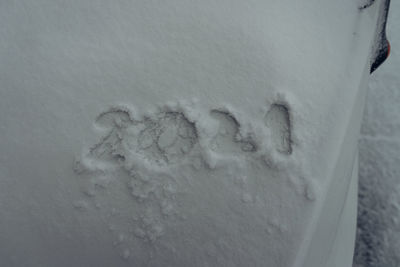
(36, 219)
(378, 238)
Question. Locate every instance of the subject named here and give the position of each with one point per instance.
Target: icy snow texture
(148, 174)
(213, 157)
(378, 238)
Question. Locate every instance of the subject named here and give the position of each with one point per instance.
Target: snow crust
(216, 126)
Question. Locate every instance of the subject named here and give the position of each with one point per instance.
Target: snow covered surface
(172, 133)
(378, 239)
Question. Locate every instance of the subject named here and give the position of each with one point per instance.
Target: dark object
(382, 46)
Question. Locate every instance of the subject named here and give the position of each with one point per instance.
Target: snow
(379, 191)
(172, 133)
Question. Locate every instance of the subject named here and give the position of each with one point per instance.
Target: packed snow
(176, 133)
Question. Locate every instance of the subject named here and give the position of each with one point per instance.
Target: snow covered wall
(176, 133)
(379, 197)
